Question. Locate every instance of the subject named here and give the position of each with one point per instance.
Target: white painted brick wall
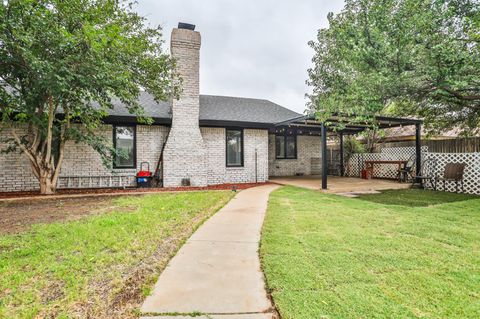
(81, 160)
(219, 173)
(15, 170)
(308, 147)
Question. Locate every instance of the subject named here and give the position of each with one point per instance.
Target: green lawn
(390, 255)
(100, 266)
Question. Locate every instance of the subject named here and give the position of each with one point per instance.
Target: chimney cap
(187, 26)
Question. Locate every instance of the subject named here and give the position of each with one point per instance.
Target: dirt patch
(17, 216)
(20, 210)
(120, 191)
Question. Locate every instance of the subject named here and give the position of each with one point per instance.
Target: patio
(338, 126)
(340, 185)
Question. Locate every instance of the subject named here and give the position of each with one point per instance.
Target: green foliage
(74, 57)
(352, 146)
(328, 256)
(406, 57)
(81, 269)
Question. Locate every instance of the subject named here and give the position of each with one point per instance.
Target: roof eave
(242, 124)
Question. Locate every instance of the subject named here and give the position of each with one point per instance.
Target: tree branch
(31, 157)
(461, 96)
(49, 130)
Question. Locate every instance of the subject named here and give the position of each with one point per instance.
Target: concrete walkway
(217, 272)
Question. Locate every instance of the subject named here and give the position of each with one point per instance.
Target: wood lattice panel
(357, 161)
(471, 176)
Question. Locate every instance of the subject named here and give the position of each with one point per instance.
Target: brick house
(206, 139)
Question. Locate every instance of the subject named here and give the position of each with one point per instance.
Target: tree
(406, 57)
(62, 64)
(371, 137)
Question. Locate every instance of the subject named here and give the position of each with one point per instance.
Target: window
(285, 146)
(234, 147)
(124, 142)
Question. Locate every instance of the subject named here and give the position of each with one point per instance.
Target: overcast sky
(249, 48)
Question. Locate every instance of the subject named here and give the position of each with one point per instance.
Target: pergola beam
(335, 122)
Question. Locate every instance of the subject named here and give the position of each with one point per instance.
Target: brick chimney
(184, 155)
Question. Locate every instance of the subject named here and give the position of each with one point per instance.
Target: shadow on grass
(415, 197)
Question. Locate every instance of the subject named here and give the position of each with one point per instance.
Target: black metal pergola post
(418, 152)
(342, 167)
(324, 156)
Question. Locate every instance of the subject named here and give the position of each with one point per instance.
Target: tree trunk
(47, 187)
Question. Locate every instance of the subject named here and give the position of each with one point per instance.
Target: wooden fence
(456, 145)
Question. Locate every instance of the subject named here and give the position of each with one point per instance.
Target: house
(205, 140)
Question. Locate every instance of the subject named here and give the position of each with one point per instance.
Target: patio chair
(427, 173)
(407, 170)
(453, 172)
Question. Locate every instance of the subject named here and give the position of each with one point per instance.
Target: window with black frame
(124, 142)
(234, 146)
(286, 146)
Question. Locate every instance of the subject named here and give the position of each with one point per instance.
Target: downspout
(256, 171)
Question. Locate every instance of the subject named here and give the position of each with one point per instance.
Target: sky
(256, 49)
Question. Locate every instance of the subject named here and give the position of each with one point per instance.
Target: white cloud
(249, 48)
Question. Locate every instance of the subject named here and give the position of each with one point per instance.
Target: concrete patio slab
(340, 185)
(217, 271)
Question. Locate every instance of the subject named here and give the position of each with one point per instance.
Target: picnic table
(369, 165)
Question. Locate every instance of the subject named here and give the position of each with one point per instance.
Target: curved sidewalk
(217, 272)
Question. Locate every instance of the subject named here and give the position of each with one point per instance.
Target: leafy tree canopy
(73, 57)
(406, 57)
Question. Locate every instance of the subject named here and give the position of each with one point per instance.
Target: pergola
(348, 125)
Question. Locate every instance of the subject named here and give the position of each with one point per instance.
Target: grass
(389, 255)
(415, 197)
(100, 266)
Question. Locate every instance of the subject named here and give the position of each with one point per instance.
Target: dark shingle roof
(216, 108)
(153, 109)
(227, 108)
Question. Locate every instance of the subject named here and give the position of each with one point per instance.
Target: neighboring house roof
(408, 133)
(214, 109)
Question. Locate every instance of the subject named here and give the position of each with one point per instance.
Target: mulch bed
(99, 191)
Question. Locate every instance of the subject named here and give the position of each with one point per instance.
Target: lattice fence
(471, 176)
(357, 161)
